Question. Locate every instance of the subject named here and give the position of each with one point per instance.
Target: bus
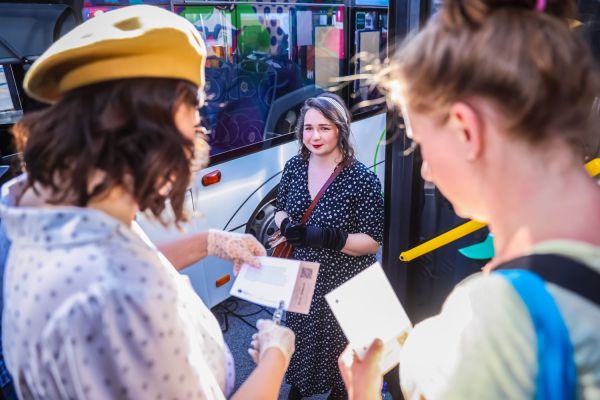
(264, 60)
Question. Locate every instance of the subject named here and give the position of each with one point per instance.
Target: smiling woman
(343, 233)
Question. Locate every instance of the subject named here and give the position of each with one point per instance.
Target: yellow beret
(132, 42)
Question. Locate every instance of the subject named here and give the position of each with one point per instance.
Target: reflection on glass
(369, 46)
(328, 45)
(10, 108)
(6, 103)
(262, 61)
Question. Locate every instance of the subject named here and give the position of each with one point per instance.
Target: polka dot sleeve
(284, 185)
(369, 211)
(106, 345)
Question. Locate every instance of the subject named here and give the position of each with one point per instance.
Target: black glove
(300, 235)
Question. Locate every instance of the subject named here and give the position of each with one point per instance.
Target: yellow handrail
(592, 167)
(441, 240)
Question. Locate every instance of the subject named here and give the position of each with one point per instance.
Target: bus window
(10, 107)
(263, 61)
(319, 41)
(6, 103)
(91, 8)
(370, 41)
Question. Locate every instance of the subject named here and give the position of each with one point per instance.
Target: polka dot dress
(354, 203)
(94, 311)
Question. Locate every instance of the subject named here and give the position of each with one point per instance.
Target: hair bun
(458, 14)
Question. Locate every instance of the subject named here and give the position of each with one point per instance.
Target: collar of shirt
(56, 225)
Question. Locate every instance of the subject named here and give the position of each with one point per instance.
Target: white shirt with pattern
(93, 310)
(483, 344)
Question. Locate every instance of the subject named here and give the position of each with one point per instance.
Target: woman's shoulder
(296, 163)
(358, 170)
(481, 324)
(295, 160)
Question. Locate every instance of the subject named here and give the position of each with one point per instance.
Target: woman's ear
(468, 125)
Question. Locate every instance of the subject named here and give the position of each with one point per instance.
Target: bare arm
(265, 381)
(360, 244)
(185, 250)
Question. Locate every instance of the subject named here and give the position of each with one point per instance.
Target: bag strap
(562, 271)
(310, 208)
(556, 377)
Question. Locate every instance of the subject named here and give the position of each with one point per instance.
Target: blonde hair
(528, 62)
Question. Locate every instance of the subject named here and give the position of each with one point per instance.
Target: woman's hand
(300, 235)
(239, 248)
(362, 378)
(271, 335)
(272, 349)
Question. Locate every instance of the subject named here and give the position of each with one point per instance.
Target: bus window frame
(11, 82)
(357, 115)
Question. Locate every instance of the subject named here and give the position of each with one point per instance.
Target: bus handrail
(592, 168)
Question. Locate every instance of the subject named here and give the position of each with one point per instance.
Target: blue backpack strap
(556, 376)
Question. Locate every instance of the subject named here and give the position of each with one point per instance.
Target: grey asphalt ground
(231, 315)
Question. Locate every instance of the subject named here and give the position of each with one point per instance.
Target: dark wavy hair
(123, 128)
(341, 121)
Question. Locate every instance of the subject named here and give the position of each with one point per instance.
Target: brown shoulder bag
(284, 249)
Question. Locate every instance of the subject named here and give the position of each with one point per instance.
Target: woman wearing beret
(92, 309)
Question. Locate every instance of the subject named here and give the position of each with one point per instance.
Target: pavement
(238, 320)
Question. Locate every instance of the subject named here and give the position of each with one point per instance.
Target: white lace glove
(272, 335)
(239, 248)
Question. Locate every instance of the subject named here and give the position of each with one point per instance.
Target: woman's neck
(541, 206)
(329, 161)
(117, 203)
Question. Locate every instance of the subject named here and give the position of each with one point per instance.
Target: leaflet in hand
(278, 279)
(367, 308)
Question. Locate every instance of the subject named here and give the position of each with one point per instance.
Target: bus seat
(27, 30)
